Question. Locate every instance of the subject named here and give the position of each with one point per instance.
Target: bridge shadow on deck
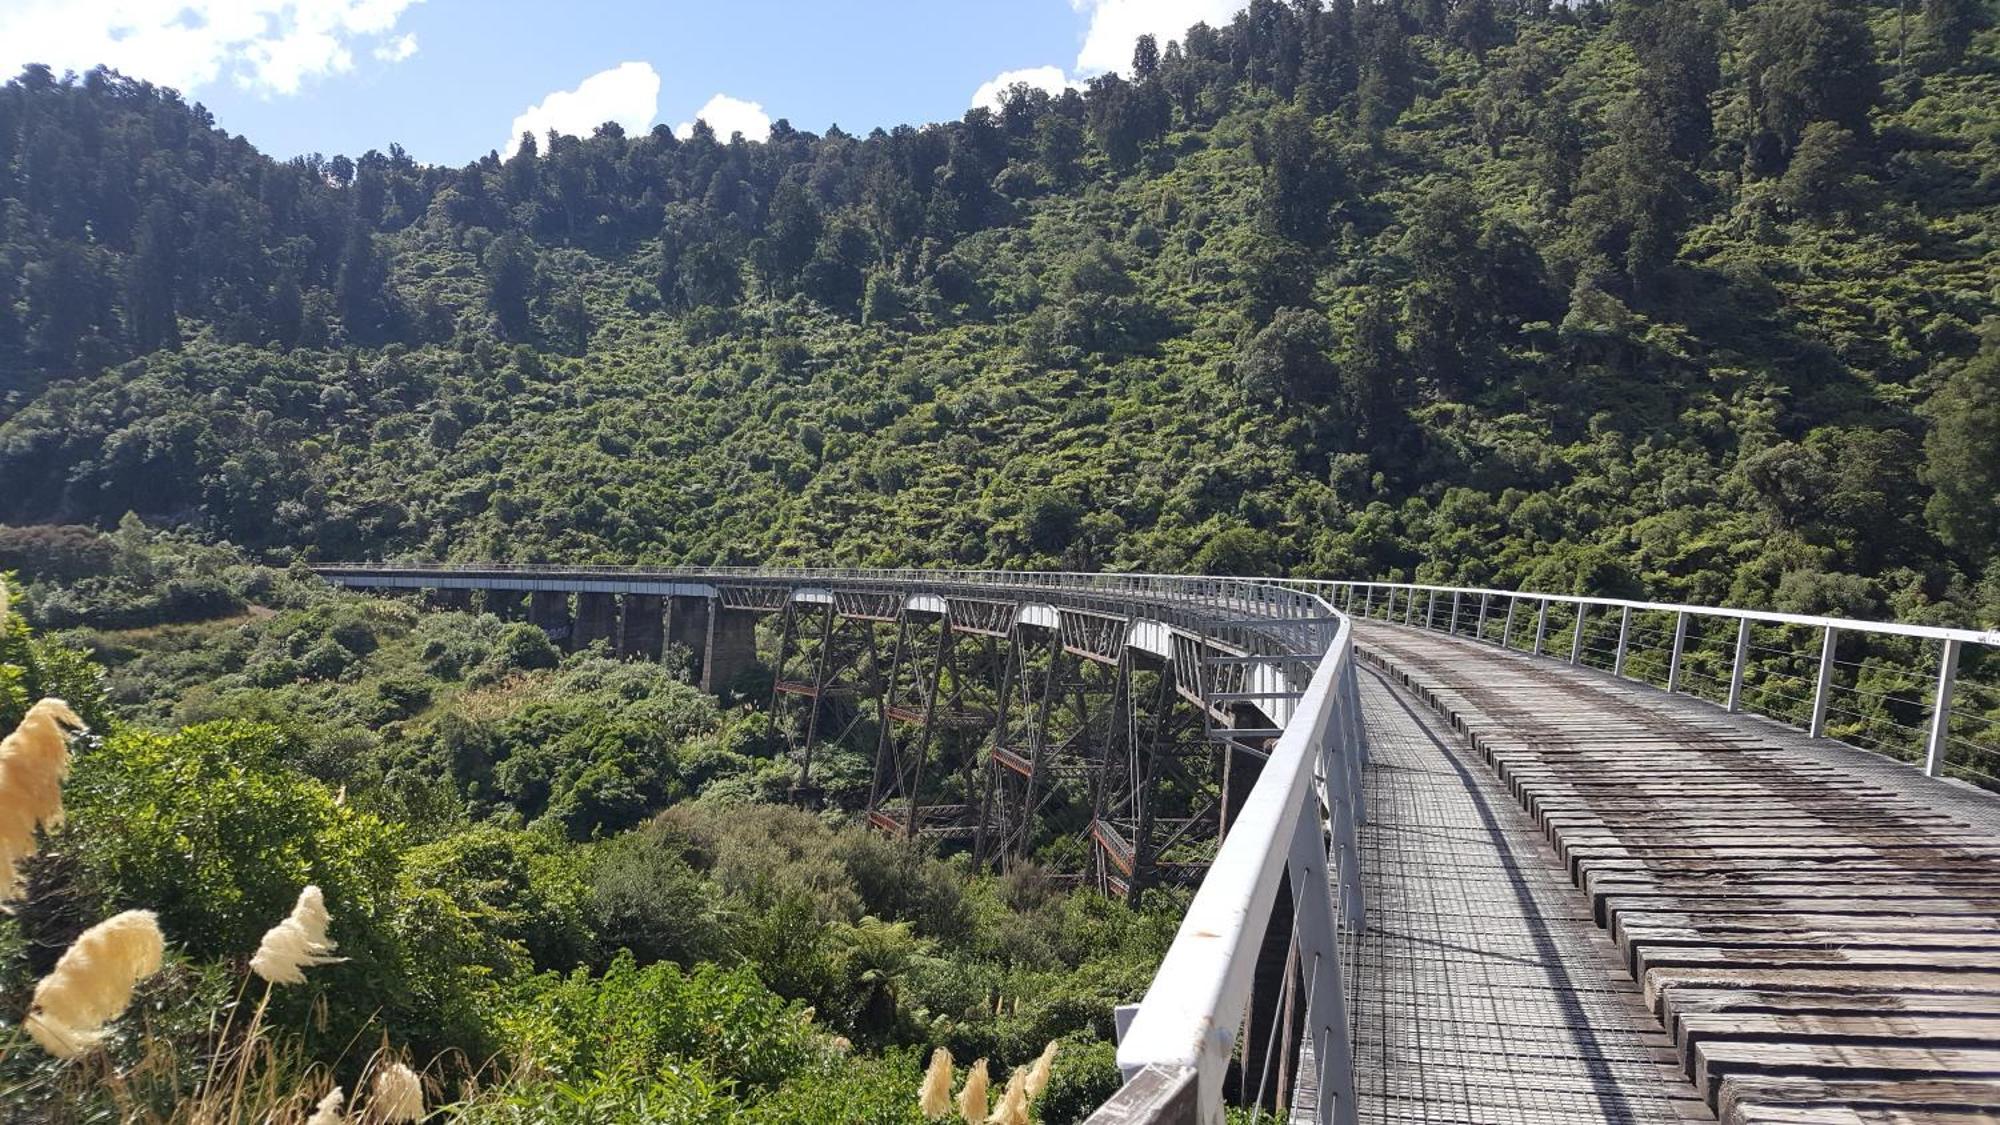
(1484, 992)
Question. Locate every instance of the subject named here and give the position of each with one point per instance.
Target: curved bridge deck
(1595, 902)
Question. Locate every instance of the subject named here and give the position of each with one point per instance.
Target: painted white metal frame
(1950, 642)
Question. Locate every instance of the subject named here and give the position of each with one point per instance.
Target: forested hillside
(1662, 295)
(1681, 297)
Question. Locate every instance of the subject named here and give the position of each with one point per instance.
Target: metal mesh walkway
(1483, 992)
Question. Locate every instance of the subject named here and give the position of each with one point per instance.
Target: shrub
(644, 898)
(517, 887)
(1084, 1075)
(209, 828)
(642, 1019)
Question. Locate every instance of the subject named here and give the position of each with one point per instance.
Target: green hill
(1663, 296)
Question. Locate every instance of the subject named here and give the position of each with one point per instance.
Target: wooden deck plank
(1822, 944)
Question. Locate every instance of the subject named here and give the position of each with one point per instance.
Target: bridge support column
(504, 604)
(687, 627)
(731, 647)
(549, 611)
(639, 632)
(596, 619)
(459, 600)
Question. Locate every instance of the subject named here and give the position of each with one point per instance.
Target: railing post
(1576, 634)
(1936, 746)
(1742, 660)
(1624, 633)
(1541, 625)
(1319, 963)
(1367, 600)
(1507, 630)
(1680, 642)
(1454, 612)
(1430, 610)
(1823, 689)
(1410, 608)
(1479, 627)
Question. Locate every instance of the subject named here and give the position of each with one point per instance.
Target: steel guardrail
(1937, 735)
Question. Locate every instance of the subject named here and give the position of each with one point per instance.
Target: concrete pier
(549, 609)
(687, 626)
(640, 632)
(504, 604)
(457, 600)
(731, 648)
(596, 620)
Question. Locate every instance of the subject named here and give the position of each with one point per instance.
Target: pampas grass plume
(972, 1099)
(1038, 1075)
(92, 982)
(1013, 1105)
(34, 760)
(934, 1098)
(328, 1112)
(297, 943)
(397, 1095)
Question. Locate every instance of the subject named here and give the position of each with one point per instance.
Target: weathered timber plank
(1660, 984)
(1929, 1032)
(1717, 1061)
(1794, 1101)
(1790, 920)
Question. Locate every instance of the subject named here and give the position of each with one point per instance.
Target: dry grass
(34, 762)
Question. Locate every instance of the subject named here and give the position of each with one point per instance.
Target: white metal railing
(1191, 1017)
(1297, 829)
(1660, 642)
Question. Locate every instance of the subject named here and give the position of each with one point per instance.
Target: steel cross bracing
(827, 680)
(1152, 712)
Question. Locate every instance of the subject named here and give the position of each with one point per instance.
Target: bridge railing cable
(1924, 694)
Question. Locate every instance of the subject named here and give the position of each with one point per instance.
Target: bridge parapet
(1925, 694)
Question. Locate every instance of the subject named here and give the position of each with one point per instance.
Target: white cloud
(727, 115)
(1114, 28)
(628, 93)
(1115, 25)
(1050, 78)
(270, 46)
(397, 49)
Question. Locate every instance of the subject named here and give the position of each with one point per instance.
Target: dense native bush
(721, 961)
(1454, 302)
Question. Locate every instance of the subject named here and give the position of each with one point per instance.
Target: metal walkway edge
(1818, 938)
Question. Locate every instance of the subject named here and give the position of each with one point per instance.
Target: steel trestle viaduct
(993, 710)
(1604, 895)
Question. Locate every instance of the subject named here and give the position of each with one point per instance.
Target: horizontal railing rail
(1897, 700)
(1294, 838)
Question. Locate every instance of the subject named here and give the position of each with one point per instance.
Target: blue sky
(451, 79)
